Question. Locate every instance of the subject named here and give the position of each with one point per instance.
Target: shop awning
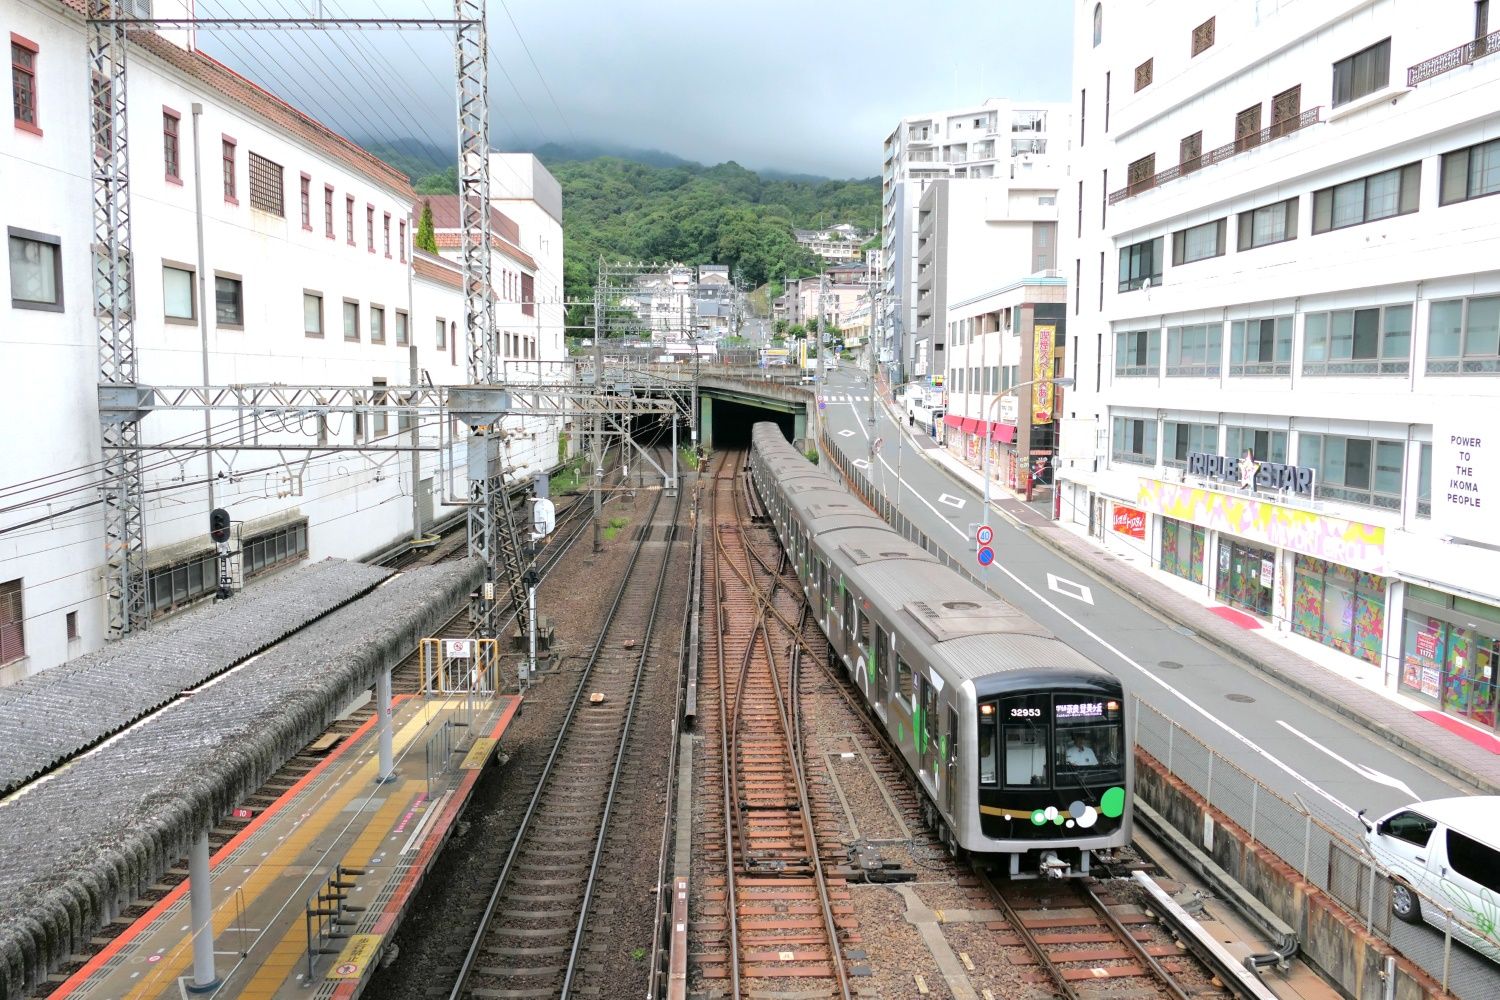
(1004, 433)
(952, 421)
(971, 425)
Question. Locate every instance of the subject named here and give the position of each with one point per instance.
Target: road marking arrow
(1360, 769)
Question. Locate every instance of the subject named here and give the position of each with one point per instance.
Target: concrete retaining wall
(1332, 941)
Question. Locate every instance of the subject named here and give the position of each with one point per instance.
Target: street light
(1062, 382)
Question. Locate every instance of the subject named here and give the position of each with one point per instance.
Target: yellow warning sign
(356, 957)
(478, 754)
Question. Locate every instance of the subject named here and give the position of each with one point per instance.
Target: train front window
(1023, 729)
(988, 750)
(1087, 739)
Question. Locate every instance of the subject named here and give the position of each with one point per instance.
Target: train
(1018, 742)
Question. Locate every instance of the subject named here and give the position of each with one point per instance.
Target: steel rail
(619, 768)
(725, 770)
(502, 882)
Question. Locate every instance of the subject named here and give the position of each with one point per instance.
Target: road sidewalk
(1446, 744)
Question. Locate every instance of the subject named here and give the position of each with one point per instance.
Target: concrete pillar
(799, 425)
(383, 717)
(706, 416)
(201, 903)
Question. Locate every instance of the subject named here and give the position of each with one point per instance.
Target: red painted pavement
(1237, 617)
(1458, 728)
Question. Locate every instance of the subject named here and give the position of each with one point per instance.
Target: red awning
(971, 425)
(953, 421)
(1004, 433)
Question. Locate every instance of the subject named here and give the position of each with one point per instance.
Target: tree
(812, 325)
(796, 330)
(426, 238)
(780, 327)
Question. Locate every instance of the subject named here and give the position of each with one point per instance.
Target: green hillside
(627, 210)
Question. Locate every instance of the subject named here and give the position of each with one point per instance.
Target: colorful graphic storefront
(1450, 651)
(1183, 547)
(1246, 577)
(1341, 608)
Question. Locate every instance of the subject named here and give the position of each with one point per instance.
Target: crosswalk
(846, 397)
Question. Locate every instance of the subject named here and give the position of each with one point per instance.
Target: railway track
(531, 932)
(783, 920)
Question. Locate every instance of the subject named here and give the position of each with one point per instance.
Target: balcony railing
(1284, 127)
(1453, 59)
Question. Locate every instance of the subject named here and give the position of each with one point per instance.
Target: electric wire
(527, 48)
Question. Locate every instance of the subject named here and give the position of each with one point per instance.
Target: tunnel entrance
(727, 423)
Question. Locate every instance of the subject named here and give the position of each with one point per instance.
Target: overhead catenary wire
(527, 48)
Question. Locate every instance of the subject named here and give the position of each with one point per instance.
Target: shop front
(1183, 548)
(1341, 608)
(1450, 649)
(1246, 575)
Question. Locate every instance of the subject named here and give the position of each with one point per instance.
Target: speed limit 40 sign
(985, 534)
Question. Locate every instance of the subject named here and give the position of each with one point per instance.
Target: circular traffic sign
(986, 534)
(875, 446)
(986, 555)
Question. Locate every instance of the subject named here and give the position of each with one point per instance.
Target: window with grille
(171, 145)
(1190, 151)
(1247, 129)
(266, 193)
(1203, 36)
(1137, 353)
(1356, 470)
(190, 580)
(1195, 351)
(1143, 75)
(1261, 347)
(1264, 445)
(1463, 336)
(1181, 439)
(35, 271)
(1371, 341)
(23, 84)
(12, 622)
(230, 191)
(1362, 73)
(229, 301)
(528, 295)
(1286, 108)
(1134, 441)
(1141, 171)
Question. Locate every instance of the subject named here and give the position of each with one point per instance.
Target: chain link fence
(1323, 855)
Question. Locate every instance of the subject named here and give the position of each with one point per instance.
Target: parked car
(1444, 855)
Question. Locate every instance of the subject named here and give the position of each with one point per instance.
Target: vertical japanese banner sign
(1042, 389)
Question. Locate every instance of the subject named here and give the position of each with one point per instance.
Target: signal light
(218, 525)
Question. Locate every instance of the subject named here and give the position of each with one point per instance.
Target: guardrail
(1453, 59)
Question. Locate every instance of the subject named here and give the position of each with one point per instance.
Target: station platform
(337, 832)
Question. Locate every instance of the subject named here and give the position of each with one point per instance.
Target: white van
(1444, 855)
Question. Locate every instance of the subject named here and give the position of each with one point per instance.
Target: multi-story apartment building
(974, 235)
(298, 269)
(996, 139)
(832, 295)
(1285, 319)
(837, 244)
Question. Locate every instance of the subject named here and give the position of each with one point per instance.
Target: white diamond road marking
(1067, 588)
(957, 503)
(846, 433)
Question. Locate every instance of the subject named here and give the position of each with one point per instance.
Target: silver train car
(1018, 742)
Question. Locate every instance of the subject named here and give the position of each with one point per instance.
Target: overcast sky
(803, 86)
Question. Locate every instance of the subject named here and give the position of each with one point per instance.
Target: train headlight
(1113, 706)
(986, 709)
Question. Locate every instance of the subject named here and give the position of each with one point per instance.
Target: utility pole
(599, 292)
(870, 338)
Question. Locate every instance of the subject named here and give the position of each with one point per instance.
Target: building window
(178, 293)
(312, 314)
(229, 301)
(1134, 441)
(377, 324)
(1143, 75)
(1203, 36)
(1261, 346)
(351, 320)
(1357, 342)
(1182, 549)
(328, 210)
(1471, 173)
(171, 123)
(387, 234)
(307, 203)
(1195, 351)
(1339, 607)
(35, 271)
(1362, 73)
(1355, 470)
(401, 240)
(1098, 24)
(1271, 224)
(1264, 445)
(1140, 264)
(1379, 196)
(1247, 129)
(1138, 353)
(12, 622)
(71, 624)
(370, 228)
(1141, 171)
(266, 192)
(528, 295)
(441, 341)
(231, 192)
(349, 218)
(1463, 336)
(1424, 481)
(379, 398)
(403, 334)
(1286, 109)
(1198, 242)
(23, 84)
(1190, 152)
(1181, 439)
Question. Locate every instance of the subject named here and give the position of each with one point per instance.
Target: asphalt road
(1294, 747)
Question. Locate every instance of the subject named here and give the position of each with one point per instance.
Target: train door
(950, 757)
(902, 705)
(928, 724)
(875, 664)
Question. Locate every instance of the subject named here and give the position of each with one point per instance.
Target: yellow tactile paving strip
(336, 814)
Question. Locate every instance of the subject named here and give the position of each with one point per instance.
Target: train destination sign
(1247, 473)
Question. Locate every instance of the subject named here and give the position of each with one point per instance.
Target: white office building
(998, 138)
(1285, 320)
